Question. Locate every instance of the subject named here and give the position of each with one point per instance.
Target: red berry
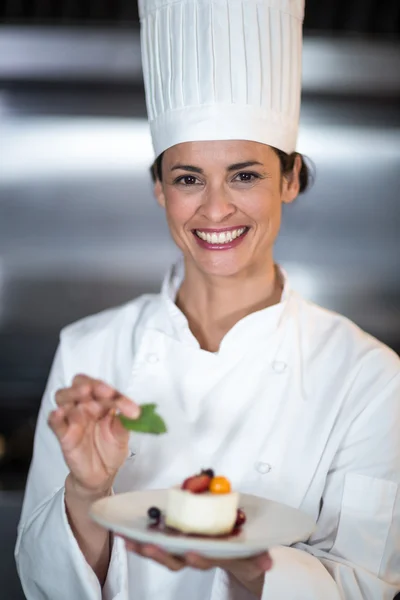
(241, 518)
(197, 484)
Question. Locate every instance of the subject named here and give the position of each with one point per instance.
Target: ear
(159, 193)
(291, 182)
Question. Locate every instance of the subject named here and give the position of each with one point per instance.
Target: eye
(186, 180)
(246, 177)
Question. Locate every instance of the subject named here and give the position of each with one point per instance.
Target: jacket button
(263, 467)
(152, 359)
(279, 366)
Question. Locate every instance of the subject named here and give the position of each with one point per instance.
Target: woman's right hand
(93, 441)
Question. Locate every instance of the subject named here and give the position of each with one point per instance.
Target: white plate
(268, 524)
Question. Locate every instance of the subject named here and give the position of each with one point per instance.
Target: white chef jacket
(298, 405)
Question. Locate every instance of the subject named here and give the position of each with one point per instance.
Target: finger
(131, 546)
(119, 432)
(199, 562)
(82, 379)
(173, 563)
(76, 414)
(67, 427)
(105, 395)
(57, 422)
(263, 561)
(249, 568)
(72, 395)
(127, 407)
(125, 539)
(96, 409)
(78, 425)
(111, 423)
(95, 387)
(103, 390)
(100, 406)
(260, 561)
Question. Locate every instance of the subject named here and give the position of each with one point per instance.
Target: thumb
(264, 562)
(120, 433)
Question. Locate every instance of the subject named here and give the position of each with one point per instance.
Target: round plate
(268, 524)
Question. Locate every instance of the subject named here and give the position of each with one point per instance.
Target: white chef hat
(222, 70)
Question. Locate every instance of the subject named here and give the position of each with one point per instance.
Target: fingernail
(132, 410)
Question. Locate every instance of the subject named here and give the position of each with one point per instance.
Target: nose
(217, 205)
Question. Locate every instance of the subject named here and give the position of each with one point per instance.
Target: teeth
(220, 238)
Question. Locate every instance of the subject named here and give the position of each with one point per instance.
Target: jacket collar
(259, 325)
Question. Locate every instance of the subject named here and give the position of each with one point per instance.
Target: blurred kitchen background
(80, 230)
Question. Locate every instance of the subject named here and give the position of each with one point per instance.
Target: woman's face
(223, 202)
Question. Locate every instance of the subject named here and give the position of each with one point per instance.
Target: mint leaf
(148, 422)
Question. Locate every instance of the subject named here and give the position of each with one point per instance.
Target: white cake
(201, 514)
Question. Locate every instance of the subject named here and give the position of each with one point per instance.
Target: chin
(220, 266)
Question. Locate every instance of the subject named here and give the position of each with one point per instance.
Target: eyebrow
(190, 168)
(234, 167)
(243, 165)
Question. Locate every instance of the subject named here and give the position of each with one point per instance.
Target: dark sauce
(161, 527)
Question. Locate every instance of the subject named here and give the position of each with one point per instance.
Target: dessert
(203, 505)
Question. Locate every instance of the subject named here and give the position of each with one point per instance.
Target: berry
(197, 484)
(208, 472)
(154, 513)
(220, 485)
(241, 518)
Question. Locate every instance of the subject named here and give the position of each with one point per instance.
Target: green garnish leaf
(148, 422)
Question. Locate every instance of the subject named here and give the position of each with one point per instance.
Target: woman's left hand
(248, 571)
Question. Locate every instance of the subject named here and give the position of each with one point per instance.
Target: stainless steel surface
(336, 66)
(65, 53)
(80, 230)
(79, 227)
(351, 66)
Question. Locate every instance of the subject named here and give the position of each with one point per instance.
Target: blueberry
(208, 472)
(154, 513)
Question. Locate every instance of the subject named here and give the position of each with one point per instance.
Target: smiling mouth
(221, 237)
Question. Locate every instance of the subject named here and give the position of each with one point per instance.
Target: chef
(289, 401)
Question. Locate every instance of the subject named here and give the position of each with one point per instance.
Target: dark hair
(306, 176)
(287, 163)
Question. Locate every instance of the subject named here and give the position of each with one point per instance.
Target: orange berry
(220, 485)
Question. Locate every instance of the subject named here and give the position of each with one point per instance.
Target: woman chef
(289, 401)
